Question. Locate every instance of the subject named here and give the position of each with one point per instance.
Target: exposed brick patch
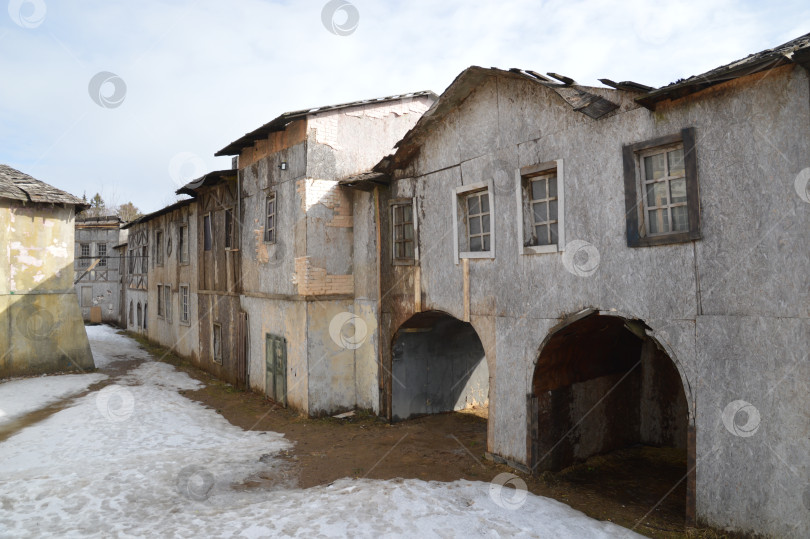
(328, 194)
(262, 256)
(313, 281)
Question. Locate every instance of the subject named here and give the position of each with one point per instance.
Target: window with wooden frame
(182, 243)
(84, 254)
(167, 301)
(158, 247)
(216, 343)
(270, 218)
(160, 303)
(541, 197)
(144, 260)
(207, 233)
(229, 229)
(184, 304)
(661, 190)
(101, 253)
(404, 246)
(474, 226)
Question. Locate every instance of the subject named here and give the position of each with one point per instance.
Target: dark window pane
(485, 202)
(475, 225)
(408, 231)
(475, 243)
(538, 189)
(654, 167)
(553, 231)
(409, 249)
(680, 219)
(658, 221)
(552, 187)
(485, 223)
(657, 194)
(678, 190)
(552, 210)
(540, 213)
(472, 205)
(398, 235)
(486, 242)
(675, 159)
(542, 234)
(207, 232)
(407, 214)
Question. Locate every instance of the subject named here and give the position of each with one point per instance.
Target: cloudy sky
(180, 79)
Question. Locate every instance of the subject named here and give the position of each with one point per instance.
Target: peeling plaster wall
(752, 140)
(42, 329)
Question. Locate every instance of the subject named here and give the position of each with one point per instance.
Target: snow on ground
(138, 459)
(19, 397)
(110, 347)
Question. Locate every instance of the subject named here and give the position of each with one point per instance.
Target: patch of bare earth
(631, 487)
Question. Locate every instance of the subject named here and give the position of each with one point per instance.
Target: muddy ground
(640, 488)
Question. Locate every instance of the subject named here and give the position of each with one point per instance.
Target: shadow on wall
(41, 329)
(438, 366)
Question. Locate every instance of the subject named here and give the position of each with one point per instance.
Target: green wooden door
(276, 368)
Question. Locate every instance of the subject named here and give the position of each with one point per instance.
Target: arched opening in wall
(140, 316)
(608, 412)
(438, 365)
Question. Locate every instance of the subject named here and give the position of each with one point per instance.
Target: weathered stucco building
(308, 282)
(625, 266)
(97, 268)
(42, 329)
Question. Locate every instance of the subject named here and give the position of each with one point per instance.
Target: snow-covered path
(138, 459)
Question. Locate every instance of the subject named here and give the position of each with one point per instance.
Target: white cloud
(200, 74)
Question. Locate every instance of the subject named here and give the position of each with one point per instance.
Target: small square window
(403, 230)
(661, 190)
(270, 218)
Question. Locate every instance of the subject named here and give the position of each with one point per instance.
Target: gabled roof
(158, 213)
(17, 185)
(580, 98)
(207, 180)
(794, 51)
(281, 122)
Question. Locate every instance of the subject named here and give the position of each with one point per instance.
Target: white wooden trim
(542, 249)
(560, 205)
(415, 209)
(489, 185)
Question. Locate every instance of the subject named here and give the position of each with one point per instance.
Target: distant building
(96, 267)
(42, 329)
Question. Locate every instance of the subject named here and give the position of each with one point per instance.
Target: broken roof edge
(206, 180)
(796, 51)
(280, 122)
(158, 213)
(17, 185)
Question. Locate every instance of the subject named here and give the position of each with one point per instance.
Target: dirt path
(628, 487)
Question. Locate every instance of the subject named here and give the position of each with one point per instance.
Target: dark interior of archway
(438, 365)
(600, 385)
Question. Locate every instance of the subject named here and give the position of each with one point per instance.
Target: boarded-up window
(167, 301)
(217, 343)
(160, 312)
(207, 240)
(158, 248)
(182, 243)
(87, 296)
(229, 229)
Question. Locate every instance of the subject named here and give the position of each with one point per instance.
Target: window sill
(540, 249)
(403, 262)
(666, 239)
(185, 323)
(478, 254)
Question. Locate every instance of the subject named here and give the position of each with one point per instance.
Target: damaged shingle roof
(17, 185)
(794, 51)
(281, 122)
